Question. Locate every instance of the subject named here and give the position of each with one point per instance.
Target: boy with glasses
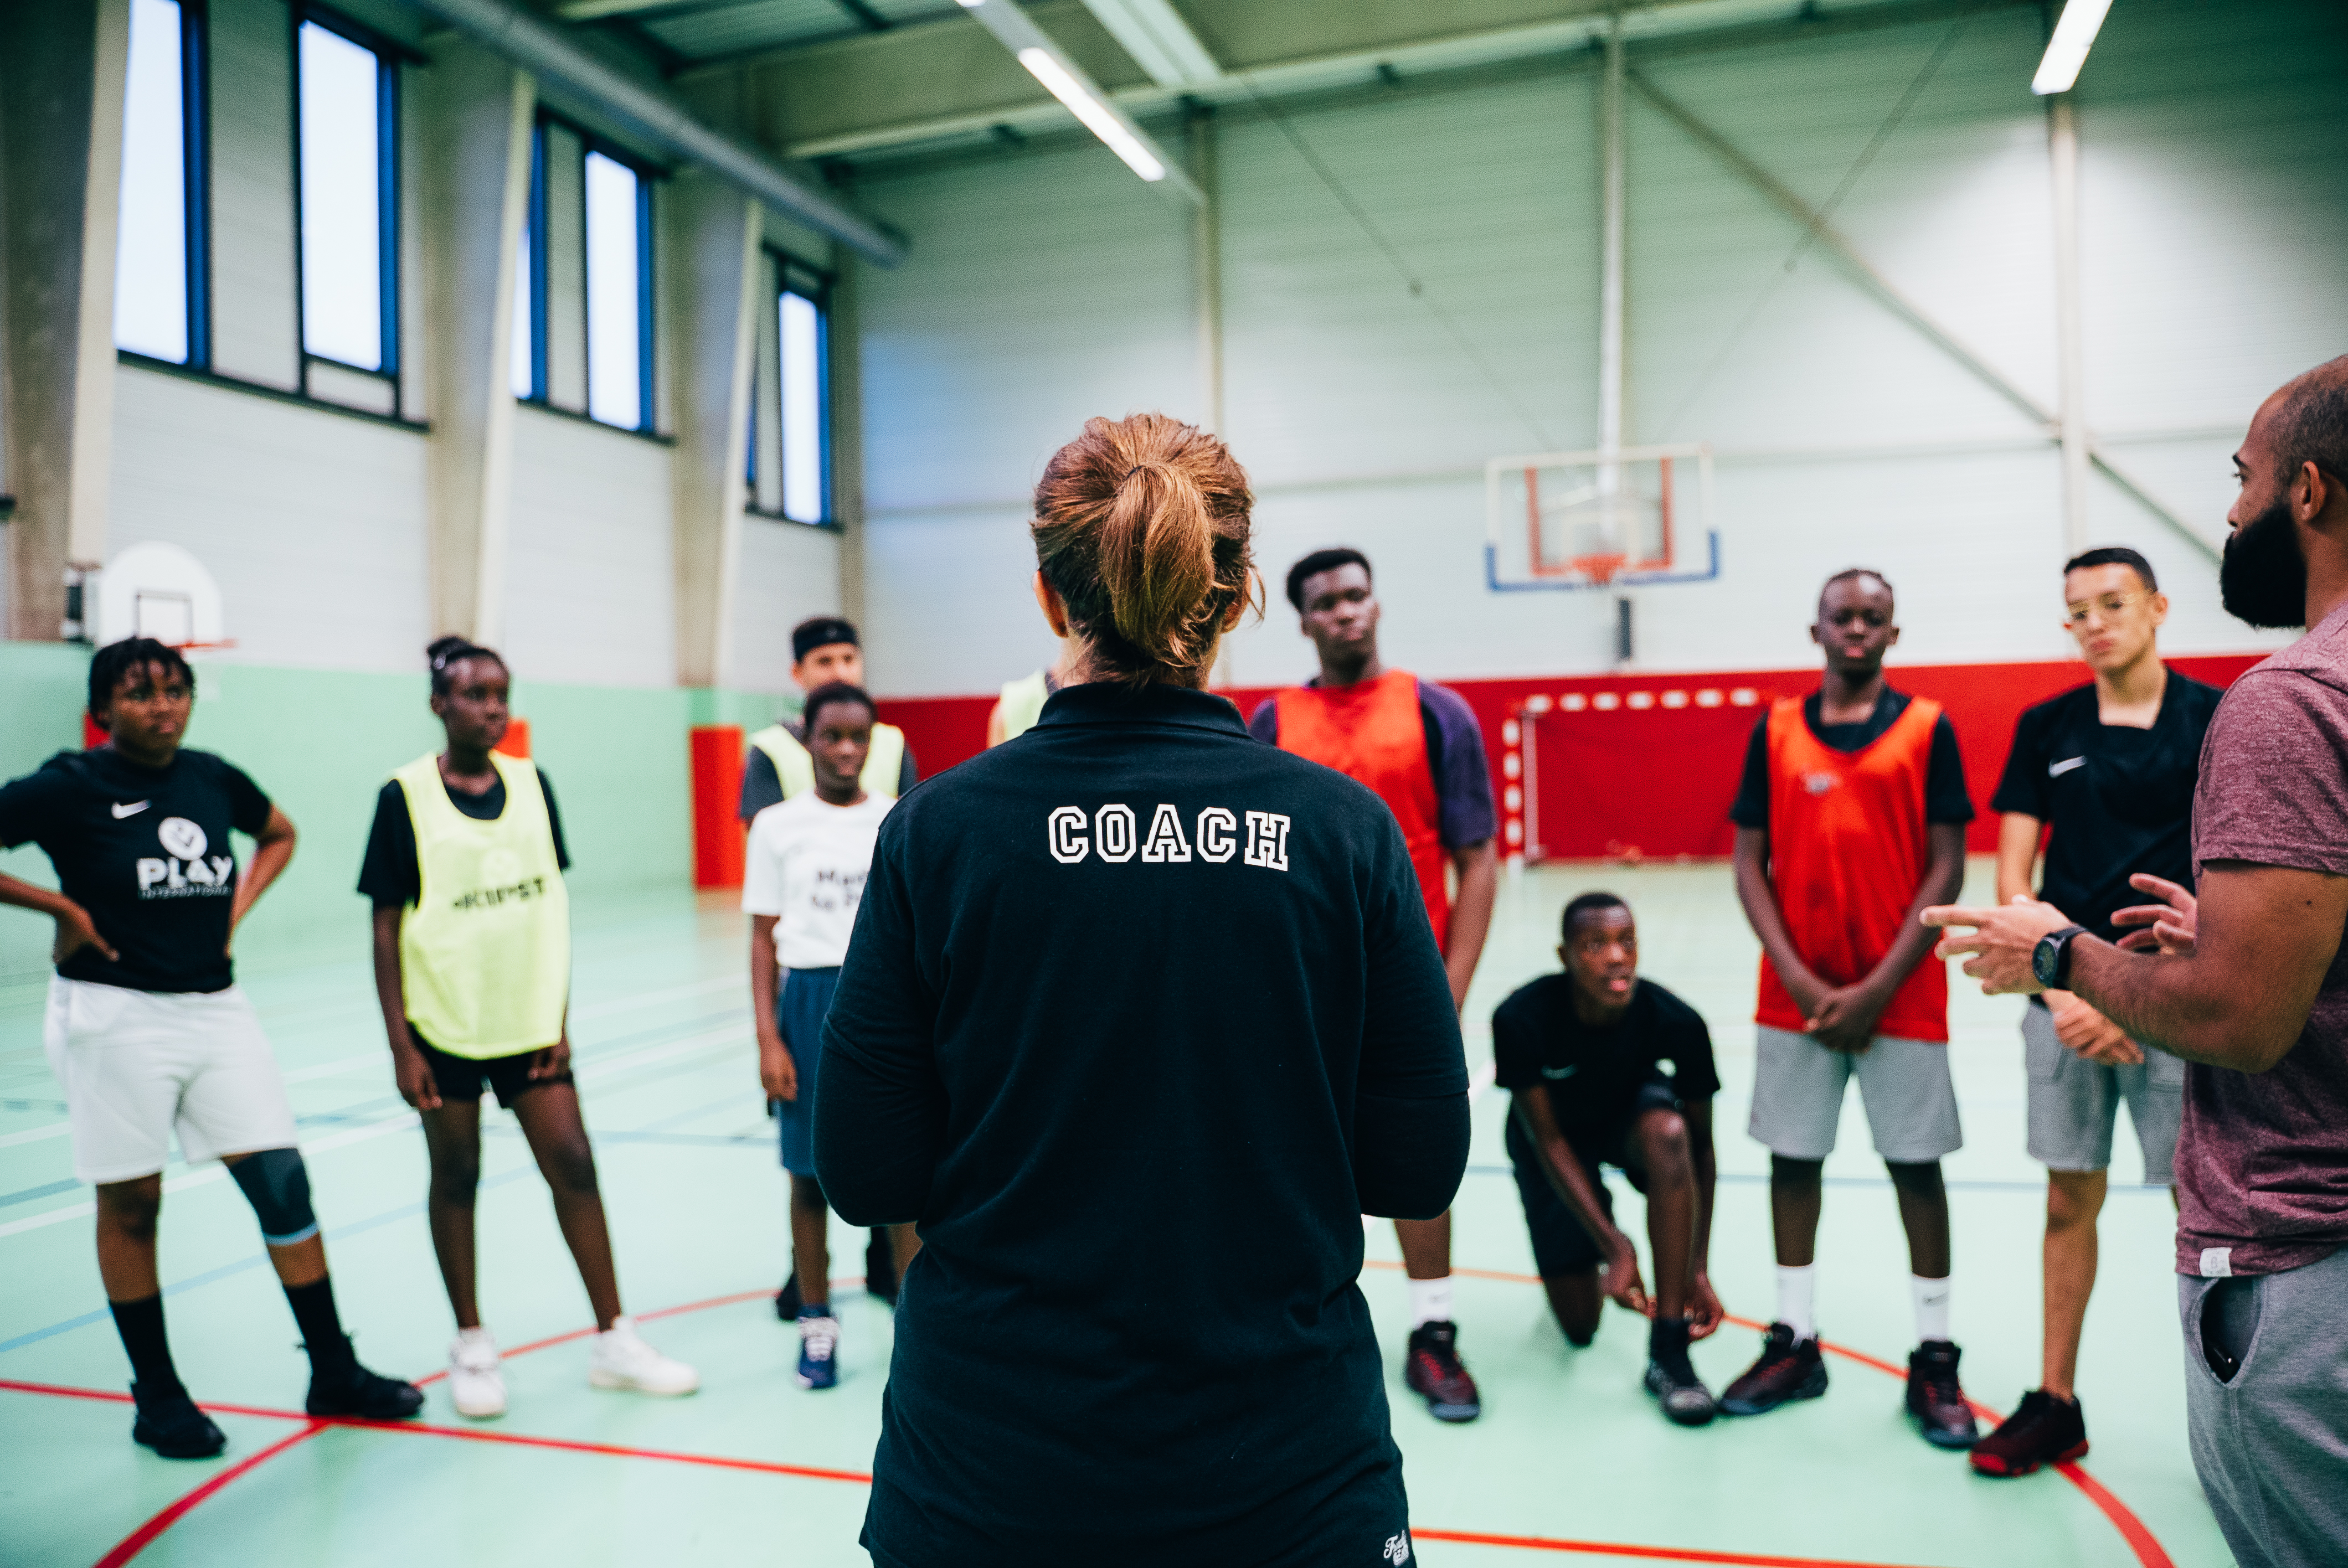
(2111, 766)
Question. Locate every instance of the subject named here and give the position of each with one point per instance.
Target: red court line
(1652, 1553)
(2146, 1546)
(2150, 1552)
(132, 1544)
(818, 1472)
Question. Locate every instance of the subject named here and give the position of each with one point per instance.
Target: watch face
(2044, 958)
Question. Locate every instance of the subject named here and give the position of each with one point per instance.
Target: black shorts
(1560, 1245)
(461, 1077)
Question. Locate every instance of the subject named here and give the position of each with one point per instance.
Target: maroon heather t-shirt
(2263, 1160)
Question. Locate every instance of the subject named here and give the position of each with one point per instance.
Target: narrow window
(807, 478)
(346, 283)
(155, 305)
(618, 291)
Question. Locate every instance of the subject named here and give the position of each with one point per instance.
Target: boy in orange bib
(1850, 821)
(1417, 747)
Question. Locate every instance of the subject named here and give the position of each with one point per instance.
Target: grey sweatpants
(2270, 1443)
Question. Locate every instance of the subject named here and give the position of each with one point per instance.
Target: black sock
(140, 1323)
(321, 1329)
(1666, 1337)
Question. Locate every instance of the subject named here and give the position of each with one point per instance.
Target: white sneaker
(476, 1386)
(622, 1360)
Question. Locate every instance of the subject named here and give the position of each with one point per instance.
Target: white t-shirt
(807, 863)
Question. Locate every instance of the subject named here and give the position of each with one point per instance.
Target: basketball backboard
(1564, 520)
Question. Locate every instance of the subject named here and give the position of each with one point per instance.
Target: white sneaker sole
(600, 1379)
(481, 1412)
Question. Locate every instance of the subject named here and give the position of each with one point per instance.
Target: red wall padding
(717, 833)
(1653, 781)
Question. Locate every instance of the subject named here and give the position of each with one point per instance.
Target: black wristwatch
(2050, 961)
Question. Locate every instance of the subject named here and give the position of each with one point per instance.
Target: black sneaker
(172, 1426)
(2044, 1430)
(1671, 1378)
(881, 1267)
(1787, 1369)
(358, 1392)
(1935, 1400)
(1432, 1369)
(786, 1299)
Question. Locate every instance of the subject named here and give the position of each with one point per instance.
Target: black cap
(820, 633)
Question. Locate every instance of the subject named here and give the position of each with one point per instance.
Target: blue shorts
(805, 998)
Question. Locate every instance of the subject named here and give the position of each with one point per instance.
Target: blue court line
(32, 1105)
(47, 1190)
(673, 1140)
(388, 1217)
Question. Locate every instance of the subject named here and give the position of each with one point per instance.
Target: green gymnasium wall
(322, 743)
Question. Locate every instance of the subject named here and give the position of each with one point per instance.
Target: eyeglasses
(2110, 606)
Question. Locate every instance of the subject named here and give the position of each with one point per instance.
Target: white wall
(316, 523)
(589, 560)
(786, 573)
(310, 521)
(1052, 286)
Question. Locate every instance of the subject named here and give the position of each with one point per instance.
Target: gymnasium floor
(1570, 1461)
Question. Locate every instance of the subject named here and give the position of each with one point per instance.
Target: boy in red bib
(1849, 823)
(1418, 748)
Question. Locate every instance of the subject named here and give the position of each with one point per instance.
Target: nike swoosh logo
(1560, 1071)
(2057, 770)
(122, 811)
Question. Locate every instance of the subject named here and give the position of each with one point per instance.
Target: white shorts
(1798, 1087)
(136, 1065)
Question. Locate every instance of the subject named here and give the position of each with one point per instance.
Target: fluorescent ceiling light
(2066, 51)
(1094, 113)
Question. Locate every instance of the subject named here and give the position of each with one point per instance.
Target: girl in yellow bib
(472, 964)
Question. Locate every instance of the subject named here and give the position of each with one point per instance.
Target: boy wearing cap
(823, 650)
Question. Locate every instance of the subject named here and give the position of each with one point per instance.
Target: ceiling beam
(1160, 41)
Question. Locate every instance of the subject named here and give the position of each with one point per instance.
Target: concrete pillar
(1207, 264)
(62, 65)
(712, 234)
(474, 196)
(2070, 340)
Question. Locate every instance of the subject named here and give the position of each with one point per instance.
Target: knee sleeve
(277, 1184)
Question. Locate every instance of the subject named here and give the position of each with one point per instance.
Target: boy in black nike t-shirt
(1581, 1053)
(148, 1031)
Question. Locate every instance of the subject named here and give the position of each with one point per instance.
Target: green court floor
(1570, 1461)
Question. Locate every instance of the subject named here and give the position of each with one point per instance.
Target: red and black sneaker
(1431, 1367)
(2044, 1429)
(1789, 1369)
(1935, 1400)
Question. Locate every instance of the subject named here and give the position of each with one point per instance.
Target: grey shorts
(2268, 1441)
(1798, 1087)
(2073, 1103)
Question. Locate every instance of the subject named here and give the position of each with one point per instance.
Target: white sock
(1430, 1301)
(1798, 1300)
(1931, 1297)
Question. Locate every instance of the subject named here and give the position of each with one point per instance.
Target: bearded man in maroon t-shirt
(2246, 977)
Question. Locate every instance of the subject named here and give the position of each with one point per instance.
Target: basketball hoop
(1598, 568)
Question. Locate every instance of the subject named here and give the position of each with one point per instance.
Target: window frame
(534, 227)
(795, 275)
(195, 188)
(390, 54)
(648, 175)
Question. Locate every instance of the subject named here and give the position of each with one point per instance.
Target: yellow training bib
(485, 950)
(796, 769)
(1022, 704)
